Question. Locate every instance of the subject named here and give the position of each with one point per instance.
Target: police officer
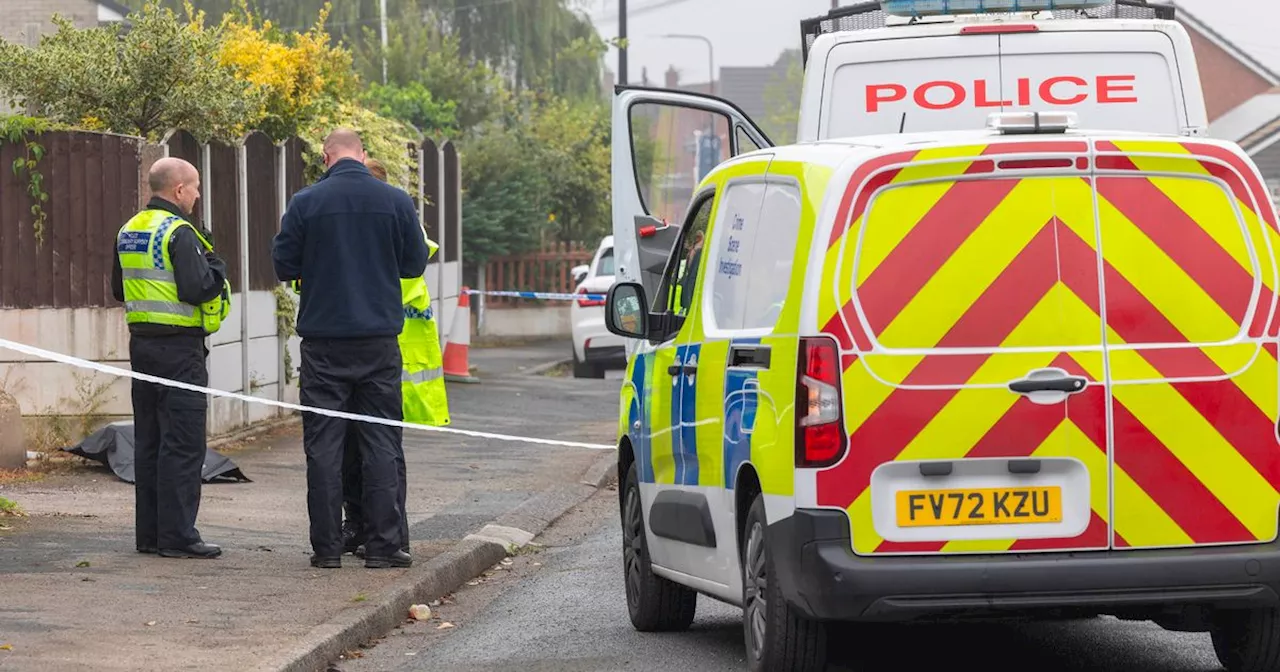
(351, 238)
(175, 293)
(425, 400)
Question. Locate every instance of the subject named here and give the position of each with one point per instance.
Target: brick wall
(21, 16)
(1226, 81)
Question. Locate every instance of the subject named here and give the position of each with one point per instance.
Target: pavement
(74, 595)
(564, 610)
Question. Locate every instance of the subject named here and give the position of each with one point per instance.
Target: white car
(594, 347)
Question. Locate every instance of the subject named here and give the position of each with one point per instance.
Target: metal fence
(547, 270)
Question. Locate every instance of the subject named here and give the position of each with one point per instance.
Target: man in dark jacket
(172, 276)
(352, 237)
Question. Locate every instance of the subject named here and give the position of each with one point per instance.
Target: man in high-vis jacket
(175, 293)
(425, 399)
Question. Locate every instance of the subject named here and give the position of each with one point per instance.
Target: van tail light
(820, 440)
(587, 303)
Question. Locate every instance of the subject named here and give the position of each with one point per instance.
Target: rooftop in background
(1249, 25)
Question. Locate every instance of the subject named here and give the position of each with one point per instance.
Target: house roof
(1244, 121)
(1243, 28)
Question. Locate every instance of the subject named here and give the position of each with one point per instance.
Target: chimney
(673, 78)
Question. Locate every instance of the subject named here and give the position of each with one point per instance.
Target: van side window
(682, 269)
(755, 242)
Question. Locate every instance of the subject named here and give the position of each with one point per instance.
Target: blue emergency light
(944, 7)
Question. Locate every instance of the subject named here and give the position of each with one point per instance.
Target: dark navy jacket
(350, 238)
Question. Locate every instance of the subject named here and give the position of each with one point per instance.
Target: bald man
(353, 238)
(175, 292)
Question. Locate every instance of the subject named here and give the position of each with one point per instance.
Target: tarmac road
(567, 613)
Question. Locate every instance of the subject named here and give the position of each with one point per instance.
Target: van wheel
(654, 603)
(1247, 641)
(777, 637)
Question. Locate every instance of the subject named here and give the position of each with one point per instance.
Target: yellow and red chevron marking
(1195, 462)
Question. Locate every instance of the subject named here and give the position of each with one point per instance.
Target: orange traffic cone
(457, 368)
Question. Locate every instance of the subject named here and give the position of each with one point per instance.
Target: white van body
(1117, 74)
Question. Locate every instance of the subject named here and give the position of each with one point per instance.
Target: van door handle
(677, 369)
(1069, 385)
(755, 356)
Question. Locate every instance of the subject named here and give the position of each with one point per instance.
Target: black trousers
(353, 490)
(169, 439)
(359, 376)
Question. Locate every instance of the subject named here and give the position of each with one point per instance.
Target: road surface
(563, 609)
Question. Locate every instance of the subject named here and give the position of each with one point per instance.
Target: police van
(1025, 367)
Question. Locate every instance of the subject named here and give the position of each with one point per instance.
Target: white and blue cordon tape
(549, 296)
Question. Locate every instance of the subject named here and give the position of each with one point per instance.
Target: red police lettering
(1047, 95)
(884, 93)
(958, 95)
(1027, 92)
(1110, 85)
(981, 99)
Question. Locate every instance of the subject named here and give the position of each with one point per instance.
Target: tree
(414, 104)
(164, 73)
(782, 99)
(420, 52)
(296, 76)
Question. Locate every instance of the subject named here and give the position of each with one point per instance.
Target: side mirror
(579, 273)
(626, 311)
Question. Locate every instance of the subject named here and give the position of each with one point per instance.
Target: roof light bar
(1012, 123)
(944, 7)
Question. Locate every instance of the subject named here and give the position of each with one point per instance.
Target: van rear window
(980, 263)
(1179, 264)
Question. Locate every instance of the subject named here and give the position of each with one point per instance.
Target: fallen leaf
(420, 612)
(82, 563)
(150, 623)
(6, 647)
(444, 626)
(473, 583)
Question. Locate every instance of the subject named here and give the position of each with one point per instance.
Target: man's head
(176, 181)
(375, 166)
(341, 144)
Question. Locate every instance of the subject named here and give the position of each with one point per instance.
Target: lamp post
(622, 39)
(382, 20)
(711, 56)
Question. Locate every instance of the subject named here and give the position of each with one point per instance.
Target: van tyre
(1247, 641)
(778, 639)
(654, 603)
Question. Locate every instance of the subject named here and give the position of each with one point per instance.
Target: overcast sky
(755, 32)
(742, 32)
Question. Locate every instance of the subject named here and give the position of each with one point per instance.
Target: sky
(742, 33)
(755, 32)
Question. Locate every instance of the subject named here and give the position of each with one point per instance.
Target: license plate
(979, 506)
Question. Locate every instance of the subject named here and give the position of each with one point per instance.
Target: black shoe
(397, 559)
(196, 550)
(150, 550)
(351, 541)
(326, 563)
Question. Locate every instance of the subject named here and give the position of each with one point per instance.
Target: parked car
(594, 348)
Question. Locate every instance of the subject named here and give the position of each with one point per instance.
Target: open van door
(664, 143)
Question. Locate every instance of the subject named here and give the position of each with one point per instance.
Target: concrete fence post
(13, 449)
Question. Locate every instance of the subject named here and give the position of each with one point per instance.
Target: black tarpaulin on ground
(113, 446)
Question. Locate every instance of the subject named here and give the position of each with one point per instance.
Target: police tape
(549, 296)
(125, 373)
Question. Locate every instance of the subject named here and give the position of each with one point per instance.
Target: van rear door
(965, 298)
(1188, 241)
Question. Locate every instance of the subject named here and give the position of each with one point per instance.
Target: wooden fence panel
(222, 182)
(92, 183)
(547, 270)
(264, 220)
